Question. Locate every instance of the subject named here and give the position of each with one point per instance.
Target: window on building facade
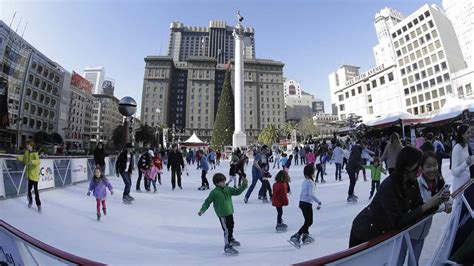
(382, 80)
(390, 77)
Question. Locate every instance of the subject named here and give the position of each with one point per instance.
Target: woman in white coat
(461, 161)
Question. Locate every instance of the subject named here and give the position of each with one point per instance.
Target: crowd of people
(414, 188)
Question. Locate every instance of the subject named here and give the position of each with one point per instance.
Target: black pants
(307, 209)
(303, 160)
(175, 174)
(34, 185)
(296, 159)
(227, 224)
(204, 181)
(375, 186)
(352, 178)
(319, 168)
(391, 170)
(265, 187)
(279, 215)
(344, 162)
(140, 174)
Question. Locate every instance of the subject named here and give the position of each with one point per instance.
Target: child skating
(221, 198)
(306, 198)
(266, 187)
(280, 198)
(32, 168)
(204, 166)
(98, 186)
(376, 171)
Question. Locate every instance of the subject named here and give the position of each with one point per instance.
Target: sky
(312, 38)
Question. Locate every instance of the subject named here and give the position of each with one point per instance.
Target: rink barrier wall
(18, 248)
(54, 172)
(386, 249)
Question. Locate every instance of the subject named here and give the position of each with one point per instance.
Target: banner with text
(46, 174)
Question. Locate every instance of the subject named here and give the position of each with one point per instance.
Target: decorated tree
(224, 123)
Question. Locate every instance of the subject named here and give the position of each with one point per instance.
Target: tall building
(186, 94)
(461, 14)
(384, 21)
(215, 41)
(34, 85)
(318, 106)
(292, 88)
(96, 76)
(298, 104)
(427, 54)
(338, 79)
(105, 118)
(81, 103)
(108, 86)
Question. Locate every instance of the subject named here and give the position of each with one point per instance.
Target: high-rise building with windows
(384, 21)
(96, 76)
(427, 54)
(215, 41)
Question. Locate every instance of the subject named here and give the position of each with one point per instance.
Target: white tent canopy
(390, 118)
(451, 109)
(193, 139)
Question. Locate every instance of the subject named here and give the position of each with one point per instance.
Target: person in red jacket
(280, 198)
(158, 164)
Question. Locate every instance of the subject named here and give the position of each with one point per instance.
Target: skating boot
(234, 243)
(351, 199)
(30, 203)
(229, 250)
(307, 239)
(39, 208)
(280, 228)
(98, 217)
(265, 200)
(130, 198)
(104, 210)
(201, 188)
(323, 181)
(295, 240)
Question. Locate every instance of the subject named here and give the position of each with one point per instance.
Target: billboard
(79, 170)
(46, 174)
(81, 83)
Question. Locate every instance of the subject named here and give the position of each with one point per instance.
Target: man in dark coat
(176, 163)
(353, 166)
(124, 167)
(99, 157)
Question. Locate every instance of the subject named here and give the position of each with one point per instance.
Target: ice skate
(295, 240)
(98, 217)
(154, 190)
(307, 239)
(104, 210)
(280, 228)
(246, 200)
(265, 200)
(126, 200)
(130, 198)
(351, 199)
(323, 181)
(207, 187)
(229, 250)
(201, 188)
(30, 204)
(234, 243)
(39, 208)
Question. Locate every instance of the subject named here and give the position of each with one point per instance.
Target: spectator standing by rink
(461, 160)
(32, 162)
(176, 163)
(221, 198)
(99, 185)
(99, 156)
(388, 210)
(124, 166)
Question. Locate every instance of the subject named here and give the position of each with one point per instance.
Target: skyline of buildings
(420, 55)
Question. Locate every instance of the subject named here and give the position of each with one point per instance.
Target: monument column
(239, 139)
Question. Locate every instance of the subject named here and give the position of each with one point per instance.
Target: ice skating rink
(164, 228)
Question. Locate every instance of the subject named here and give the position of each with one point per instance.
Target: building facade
(96, 76)
(81, 104)
(298, 108)
(215, 41)
(34, 85)
(384, 21)
(105, 118)
(186, 94)
(419, 81)
(325, 124)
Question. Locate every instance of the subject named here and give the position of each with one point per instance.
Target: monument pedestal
(239, 140)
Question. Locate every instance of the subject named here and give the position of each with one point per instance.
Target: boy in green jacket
(221, 197)
(32, 168)
(376, 171)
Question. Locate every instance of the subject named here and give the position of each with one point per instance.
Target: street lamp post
(157, 133)
(127, 107)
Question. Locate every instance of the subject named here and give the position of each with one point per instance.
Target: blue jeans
(128, 183)
(338, 171)
(256, 175)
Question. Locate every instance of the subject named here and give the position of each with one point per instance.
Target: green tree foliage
(307, 128)
(224, 123)
(41, 137)
(269, 135)
(56, 138)
(145, 134)
(117, 136)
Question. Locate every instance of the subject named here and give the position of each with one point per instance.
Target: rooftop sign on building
(81, 83)
(365, 75)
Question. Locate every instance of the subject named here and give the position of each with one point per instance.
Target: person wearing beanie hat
(221, 198)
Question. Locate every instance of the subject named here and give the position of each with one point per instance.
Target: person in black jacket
(99, 157)
(124, 167)
(428, 145)
(398, 202)
(176, 163)
(143, 164)
(354, 164)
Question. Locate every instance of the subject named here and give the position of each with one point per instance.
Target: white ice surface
(164, 228)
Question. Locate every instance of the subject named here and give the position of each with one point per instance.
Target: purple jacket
(99, 189)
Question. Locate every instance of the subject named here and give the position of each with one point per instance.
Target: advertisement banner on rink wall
(79, 170)
(9, 253)
(46, 174)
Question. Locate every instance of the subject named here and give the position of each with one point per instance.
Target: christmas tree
(224, 123)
